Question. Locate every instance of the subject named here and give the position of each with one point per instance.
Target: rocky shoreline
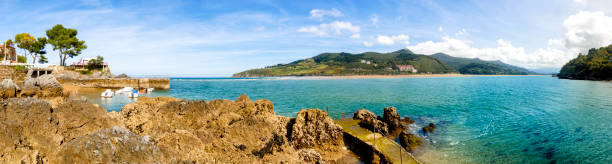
(40, 124)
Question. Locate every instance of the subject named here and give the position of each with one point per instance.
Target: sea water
(507, 119)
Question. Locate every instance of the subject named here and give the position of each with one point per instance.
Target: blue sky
(219, 38)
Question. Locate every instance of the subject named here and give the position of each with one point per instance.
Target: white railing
(27, 65)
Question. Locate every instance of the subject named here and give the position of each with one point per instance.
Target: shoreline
(386, 76)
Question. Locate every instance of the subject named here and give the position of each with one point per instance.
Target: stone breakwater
(157, 83)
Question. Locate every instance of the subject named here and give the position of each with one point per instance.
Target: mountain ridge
(399, 62)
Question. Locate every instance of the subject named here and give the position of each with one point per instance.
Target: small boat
(124, 90)
(149, 90)
(107, 94)
(133, 94)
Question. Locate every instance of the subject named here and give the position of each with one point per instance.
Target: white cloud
(588, 30)
(549, 57)
(336, 27)
(463, 31)
(355, 36)
(440, 29)
(320, 13)
(390, 40)
(368, 44)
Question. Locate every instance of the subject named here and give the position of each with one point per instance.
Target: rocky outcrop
(229, 131)
(370, 121)
(8, 89)
(43, 86)
(33, 130)
(164, 130)
(429, 128)
(392, 119)
(409, 141)
(314, 128)
(109, 145)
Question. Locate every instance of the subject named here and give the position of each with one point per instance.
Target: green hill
(477, 66)
(367, 63)
(596, 65)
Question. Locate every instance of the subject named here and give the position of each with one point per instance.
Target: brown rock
(314, 128)
(8, 89)
(43, 86)
(369, 121)
(311, 156)
(34, 129)
(429, 128)
(392, 119)
(409, 141)
(110, 145)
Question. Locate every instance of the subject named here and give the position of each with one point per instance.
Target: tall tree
(65, 41)
(32, 46)
(25, 41)
(38, 50)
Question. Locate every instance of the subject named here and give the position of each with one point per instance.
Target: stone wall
(10, 72)
(157, 83)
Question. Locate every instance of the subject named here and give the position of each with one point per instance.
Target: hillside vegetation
(368, 63)
(596, 65)
(477, 66)
(374, 63)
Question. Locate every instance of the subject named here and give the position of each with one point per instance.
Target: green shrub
(22, 59)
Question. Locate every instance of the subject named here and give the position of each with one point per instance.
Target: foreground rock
(43, 86)
(370, 122)
(165, 130)
(313, 128)
(110, 145)
(233, 131)
(33, 130)
(409, 141)
(8, 89)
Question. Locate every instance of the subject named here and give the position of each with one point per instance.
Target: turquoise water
(514, 119)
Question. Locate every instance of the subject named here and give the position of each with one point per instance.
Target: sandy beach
(393, 76)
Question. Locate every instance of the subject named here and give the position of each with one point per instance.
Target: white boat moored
(107, 94)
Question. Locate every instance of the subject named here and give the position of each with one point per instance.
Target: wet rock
(314, 128)
(370, 122)
(110, 145)
(409, 141)
(8, 89)
(392, 119)
(429, 128)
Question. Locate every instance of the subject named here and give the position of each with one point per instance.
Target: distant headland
(402, 62)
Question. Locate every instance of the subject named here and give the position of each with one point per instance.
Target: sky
(219, 38)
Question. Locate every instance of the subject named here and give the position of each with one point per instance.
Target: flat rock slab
(390, 149)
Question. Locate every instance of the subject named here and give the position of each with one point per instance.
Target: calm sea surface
(518, 119)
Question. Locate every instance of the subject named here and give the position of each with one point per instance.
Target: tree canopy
(32, 46)
(596, 65)
(66, 42)
(96, 63)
